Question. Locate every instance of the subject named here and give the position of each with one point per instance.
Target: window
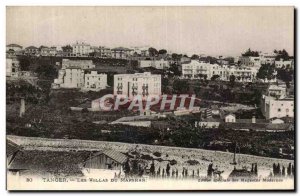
(279, 110)
(287, 110)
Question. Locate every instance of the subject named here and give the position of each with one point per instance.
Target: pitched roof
(211, 120)
(250, 120)
(31, 47)
(121, 48)
(14, 45)
(282, 126)
(11, 147)
(253, 126)
(115, 155)
(256, 126)
(49, 161)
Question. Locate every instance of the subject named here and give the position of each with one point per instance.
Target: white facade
(83, 64)
(276, 91)
(284, 64)
(81, 49)
(268, 60)
(143, 84)
(12, 67)
(196, 69)
(78, 74)
(72, 78)
(45, 51)
(95, 81)
(250, 61)
(14, 47)
(242, 74)
(159, 64)
(277, 108)
(230, 118)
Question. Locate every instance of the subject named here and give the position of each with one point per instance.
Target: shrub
(173, 162)
(193, 162)
(146, 157)
(157, 154)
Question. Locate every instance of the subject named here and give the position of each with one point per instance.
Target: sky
(186, 30)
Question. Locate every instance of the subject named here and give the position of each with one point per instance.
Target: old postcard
(150, 98)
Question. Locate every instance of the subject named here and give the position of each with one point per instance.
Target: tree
(135, 166)
(229, 59)
(211, 60)
(168, 169)
(283, 171)
(152, 169)
(47, 70)
(289, 169)
(214, 77)
(181, 86)
(195, 57)
(127, 167)
(255, 169)
(266, 71)
(152, 52)
(162, 51)
(249, 52)
(274, 169)
(286, 75)
(175, 69)
(281, 54)
(278, 170)
(158, 172)
(66, 48)
(210, 170)
(176, 57)
(24, 64)
(232, 80)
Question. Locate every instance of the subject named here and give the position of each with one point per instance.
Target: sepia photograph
(150, 98)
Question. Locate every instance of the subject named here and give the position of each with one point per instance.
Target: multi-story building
(242, 74)
(80, 74)
(268, 59)
(83, 64)
(143, 84)
(12, 67)
(158, 64)
(32, 50)
(105, 52)
(250, 61)
(81, 49)
(120, 53)
(284, 64)
(94, 80)
(71, 77)
(141, 51)
(13, 47)
(197, 70)
(277, 108)
(276, 91)
(48, 51)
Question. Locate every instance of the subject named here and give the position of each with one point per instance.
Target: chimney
(22, 108)
(253, 119)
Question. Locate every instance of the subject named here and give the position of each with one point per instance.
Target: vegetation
(266, 71)
(281, 54)
(249, 53)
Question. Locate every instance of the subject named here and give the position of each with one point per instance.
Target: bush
(193, 162)
(173, 162)
(157, 154)
(146, 157)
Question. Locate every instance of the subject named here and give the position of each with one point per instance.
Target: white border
(5, 3)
